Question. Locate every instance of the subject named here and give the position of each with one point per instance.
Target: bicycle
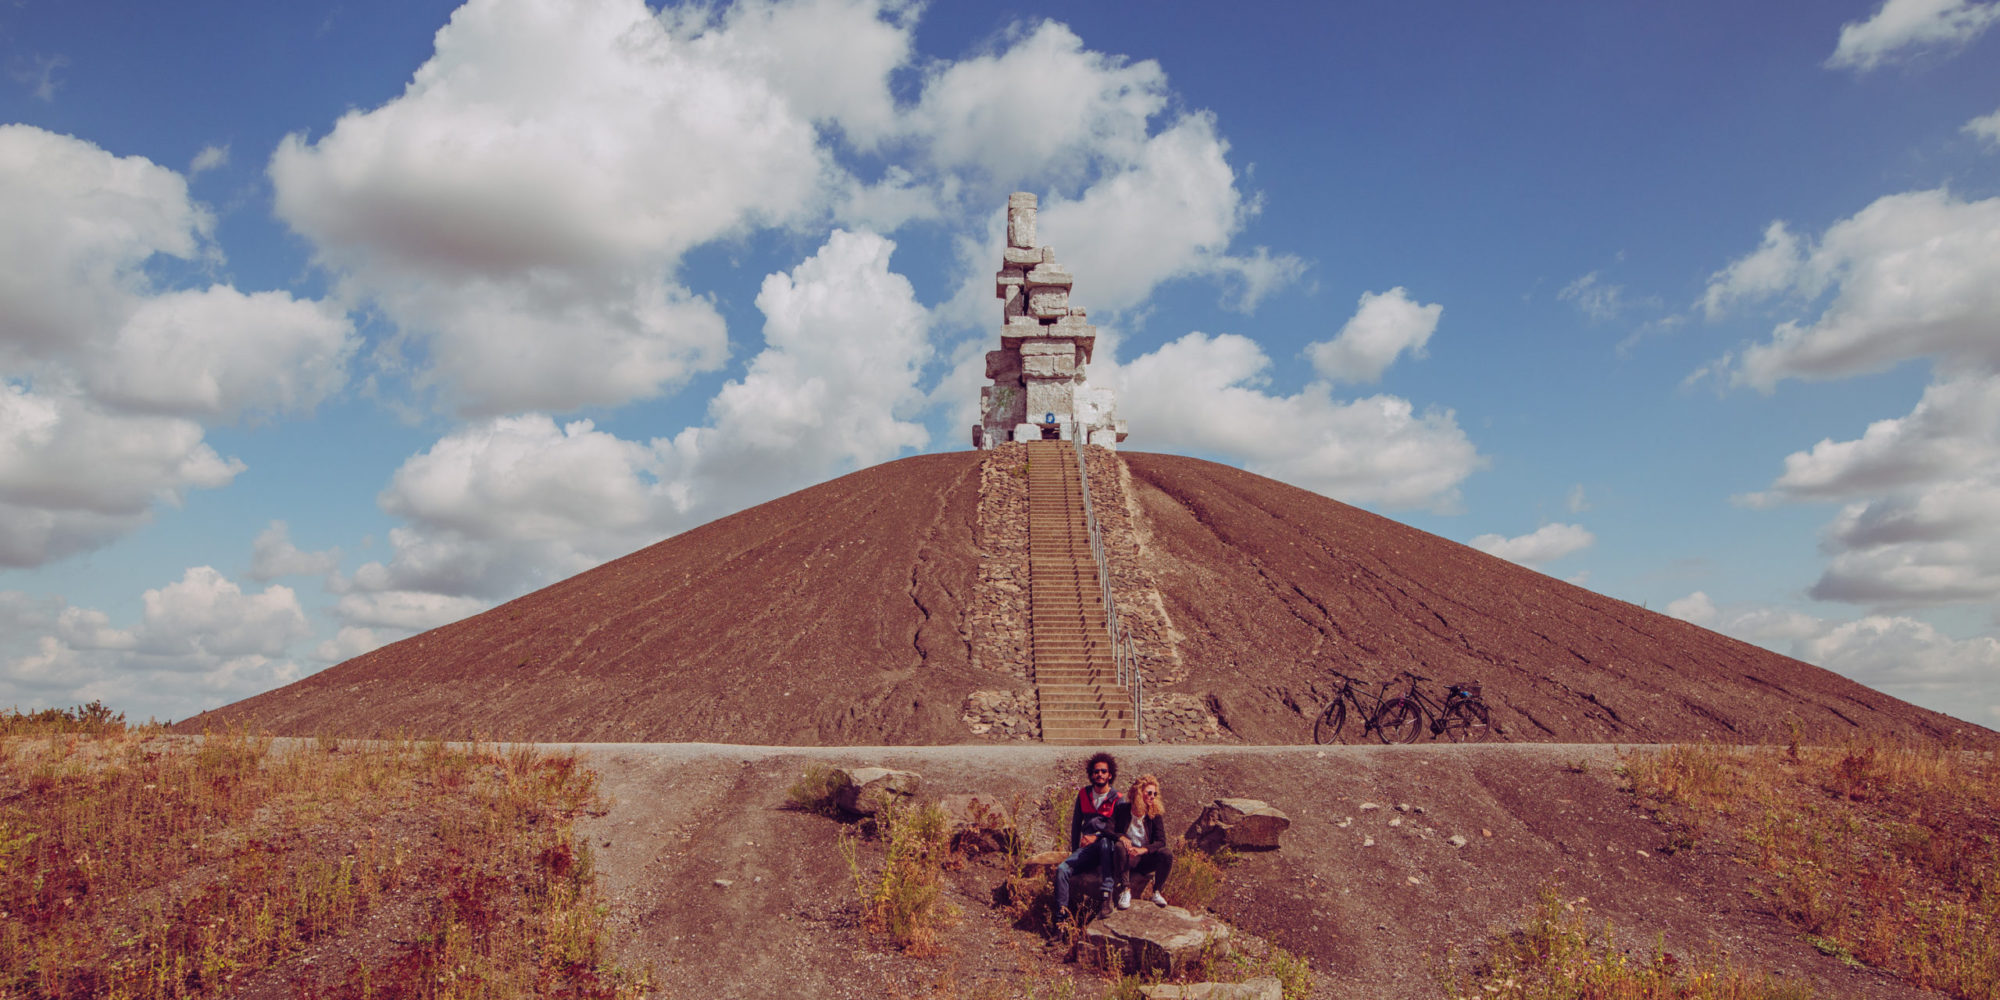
(1463, 718)
(1326, 729)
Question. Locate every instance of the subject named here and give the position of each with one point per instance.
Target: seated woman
(1142, 841)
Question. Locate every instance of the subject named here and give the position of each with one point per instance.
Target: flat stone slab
(1243, 824)
(1258, 988)
(863, 791)
(1153, 938)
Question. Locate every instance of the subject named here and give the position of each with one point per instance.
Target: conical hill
(846, 614)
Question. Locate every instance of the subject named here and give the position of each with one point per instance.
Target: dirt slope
(1269, 585)
(840, 615)
(829, 616)
(1376, 906)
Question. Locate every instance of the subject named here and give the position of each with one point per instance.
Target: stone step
(1088, 737)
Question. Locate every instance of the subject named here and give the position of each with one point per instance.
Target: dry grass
(904, 900)
(134, 864)
(1886, 853)
(1197, 876)
(1557, 956)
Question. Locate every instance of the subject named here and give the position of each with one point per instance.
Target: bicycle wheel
(1397, 721)
(1327, 729)
(1467, 722)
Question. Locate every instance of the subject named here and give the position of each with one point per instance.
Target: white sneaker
(1159, 900)
(1124, 899)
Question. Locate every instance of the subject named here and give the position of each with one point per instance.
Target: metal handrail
(1124, 658)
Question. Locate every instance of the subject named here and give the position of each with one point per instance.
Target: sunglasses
(1100, 770)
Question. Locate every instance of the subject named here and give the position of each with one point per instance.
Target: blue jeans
(1095, 855)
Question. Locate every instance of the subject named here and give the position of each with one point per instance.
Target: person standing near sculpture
(1142, 842)
(1093, 835)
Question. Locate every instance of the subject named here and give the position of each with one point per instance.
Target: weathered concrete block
(1048, 303)
(1153, 938)
(1244, 824)
(1048, 365)
(1003, 405)
(1049, 274)
(1024, 256)
(1021, 219)
(1046, 345)
(1015, 303)
(1045, 397)
(866, 790)
(1003, 365)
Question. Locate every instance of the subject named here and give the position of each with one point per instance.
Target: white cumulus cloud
(1902, 655)
(74, 476)
(1913, 275)
(1204, 394)
(201, 641)
(1545, 544)
(1044, 108)
(519, 209)
(273, 555)
(1386, 325)
(1985, 128)
(787, 45)
(1695, 608)
(1920, 521)
(1901, 28)
(512, 502)
(103, 375)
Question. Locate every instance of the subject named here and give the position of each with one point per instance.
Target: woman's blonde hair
(1139, 807)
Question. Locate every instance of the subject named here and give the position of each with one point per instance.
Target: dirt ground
(1378, 898)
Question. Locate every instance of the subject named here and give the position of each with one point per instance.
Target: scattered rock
(1457, 840)
(1243, 824)
(979, 823)
(723, 883)
(863, 791)
(1153, 938)
(1260, 988)
(1369, 806)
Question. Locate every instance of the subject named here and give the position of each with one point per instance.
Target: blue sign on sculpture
(1048, 418)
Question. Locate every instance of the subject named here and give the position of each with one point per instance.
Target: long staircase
(1085, 688)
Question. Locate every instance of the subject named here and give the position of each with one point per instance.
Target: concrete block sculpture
(1039, 387)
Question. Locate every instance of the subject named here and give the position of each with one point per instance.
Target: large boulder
(1259, 988)
(979, 823)
(865, 791)
(1241, 824)
(1147, 939)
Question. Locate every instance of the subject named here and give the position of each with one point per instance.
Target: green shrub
(814, 792)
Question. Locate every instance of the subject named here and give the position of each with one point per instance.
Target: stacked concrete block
(1038, 378)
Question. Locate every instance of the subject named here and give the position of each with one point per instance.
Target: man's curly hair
(1101, 757)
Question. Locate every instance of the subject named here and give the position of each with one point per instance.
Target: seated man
(1093, 840)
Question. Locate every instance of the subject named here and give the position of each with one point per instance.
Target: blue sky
(320, 326)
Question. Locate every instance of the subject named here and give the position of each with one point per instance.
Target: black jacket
(1156, 827)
